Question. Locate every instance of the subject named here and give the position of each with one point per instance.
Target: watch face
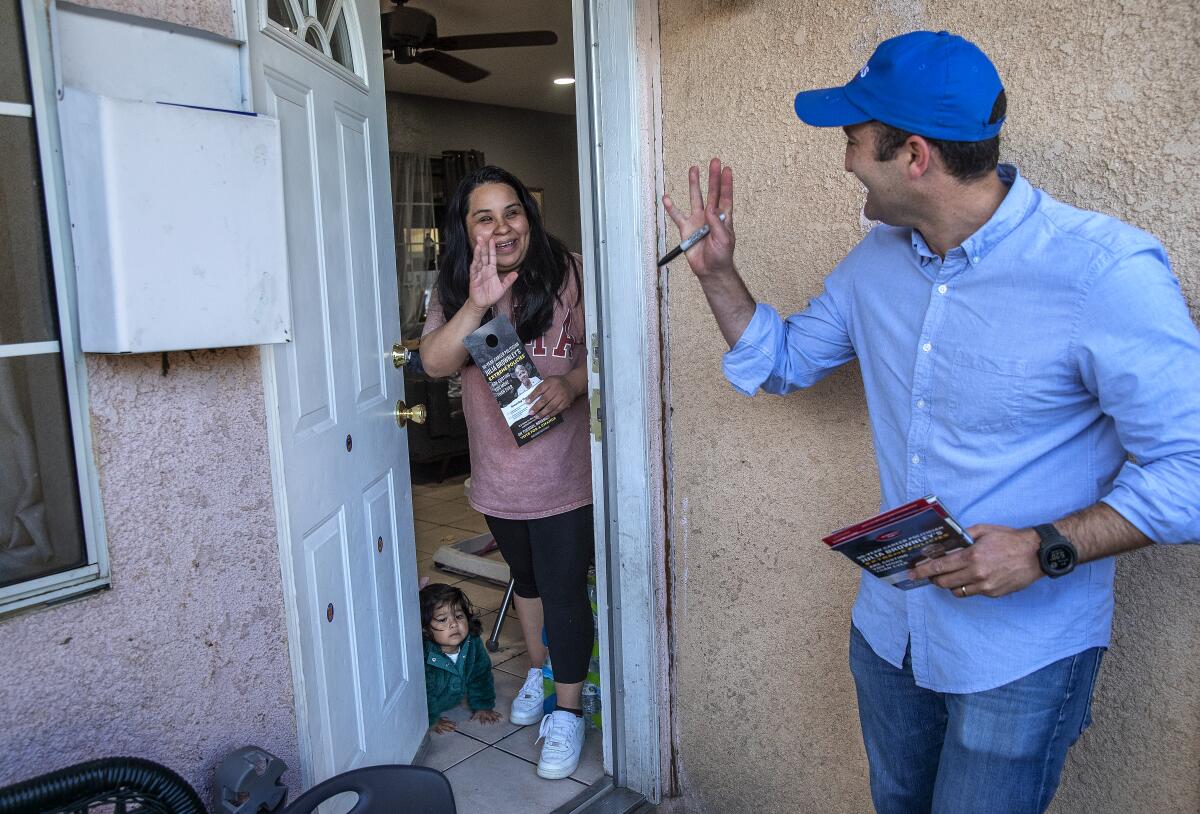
(1059, 558)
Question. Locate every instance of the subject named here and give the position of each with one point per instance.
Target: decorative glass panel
(27, 306)
(281, 12)
(332, 38)
(14, 73)
(312, 38)
(41, 531)
(343, 54)
(323, 7)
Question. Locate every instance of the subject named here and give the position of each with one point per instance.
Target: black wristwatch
(1056, 554)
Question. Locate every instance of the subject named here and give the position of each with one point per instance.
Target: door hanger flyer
(511, 374)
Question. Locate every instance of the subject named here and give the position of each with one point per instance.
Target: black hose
(110, 779)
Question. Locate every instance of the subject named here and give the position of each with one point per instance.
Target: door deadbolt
(400, 355)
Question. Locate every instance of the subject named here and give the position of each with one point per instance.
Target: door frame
(616, 157)
(625, 404)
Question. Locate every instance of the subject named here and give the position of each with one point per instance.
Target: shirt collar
(1008, 216)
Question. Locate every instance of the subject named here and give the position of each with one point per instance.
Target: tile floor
(491, 768)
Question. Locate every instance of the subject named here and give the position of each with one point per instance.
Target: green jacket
(446, 684)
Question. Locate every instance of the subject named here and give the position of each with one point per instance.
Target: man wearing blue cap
(1032, 364)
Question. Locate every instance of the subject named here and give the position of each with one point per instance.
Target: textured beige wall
(1104, 104)
(215, 16)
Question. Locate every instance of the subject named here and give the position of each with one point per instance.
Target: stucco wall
(214, 16)
(185, 658)
(537, 147)
(1103, 113)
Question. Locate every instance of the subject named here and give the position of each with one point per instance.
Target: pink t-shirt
(551, 474)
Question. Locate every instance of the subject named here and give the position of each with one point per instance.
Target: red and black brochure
(888, 544)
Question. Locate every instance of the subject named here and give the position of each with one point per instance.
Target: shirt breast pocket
(986, 393)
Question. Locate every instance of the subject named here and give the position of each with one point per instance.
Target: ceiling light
(565, 80)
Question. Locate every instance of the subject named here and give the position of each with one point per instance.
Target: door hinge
(597, 415)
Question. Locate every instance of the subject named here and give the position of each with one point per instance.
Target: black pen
(687, 243)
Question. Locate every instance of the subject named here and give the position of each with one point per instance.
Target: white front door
(340, 461)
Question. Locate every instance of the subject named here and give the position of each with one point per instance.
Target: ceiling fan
(410, 35)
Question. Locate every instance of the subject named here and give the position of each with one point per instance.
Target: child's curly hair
(437, 594)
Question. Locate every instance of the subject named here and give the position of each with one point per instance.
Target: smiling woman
(491, 206)
(496, 214)
(536, 498)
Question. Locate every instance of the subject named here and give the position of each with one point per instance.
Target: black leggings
(549, 557)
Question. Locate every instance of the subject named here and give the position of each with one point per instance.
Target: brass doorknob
(404, 414)
(400, 356)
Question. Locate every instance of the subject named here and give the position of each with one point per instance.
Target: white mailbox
(177, 224)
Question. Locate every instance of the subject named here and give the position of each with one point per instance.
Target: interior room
(512, 107)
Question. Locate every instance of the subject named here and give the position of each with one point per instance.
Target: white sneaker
(527, 706)
(563, 732)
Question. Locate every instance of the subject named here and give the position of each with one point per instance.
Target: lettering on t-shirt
(563, 349)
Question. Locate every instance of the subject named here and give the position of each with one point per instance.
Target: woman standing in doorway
(536, 498)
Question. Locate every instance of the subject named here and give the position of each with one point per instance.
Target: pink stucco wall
(207, 15)
(185, 658)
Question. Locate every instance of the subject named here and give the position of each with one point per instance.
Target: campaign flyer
(888, 544)
(508, 370)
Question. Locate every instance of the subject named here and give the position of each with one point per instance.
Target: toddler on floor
(456, 663)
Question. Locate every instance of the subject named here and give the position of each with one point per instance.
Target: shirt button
(975, 259)
(921, 403)
(927, 347)
(942, 289)
(916, 459)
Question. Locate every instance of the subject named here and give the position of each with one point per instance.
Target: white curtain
(416, 236)
(25, 544)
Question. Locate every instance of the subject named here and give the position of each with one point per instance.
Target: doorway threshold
(605, 797)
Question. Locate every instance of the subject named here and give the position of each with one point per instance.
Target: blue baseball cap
(936, 85)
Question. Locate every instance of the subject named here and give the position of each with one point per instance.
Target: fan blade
(451, 66)
(510, 39)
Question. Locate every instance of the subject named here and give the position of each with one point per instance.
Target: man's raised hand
(713, 254)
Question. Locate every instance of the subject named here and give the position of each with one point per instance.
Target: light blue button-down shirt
(1046, 364)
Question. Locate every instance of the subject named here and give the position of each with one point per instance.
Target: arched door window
(326, 26)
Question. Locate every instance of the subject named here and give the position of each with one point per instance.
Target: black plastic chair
(115, 784)
(383, 790)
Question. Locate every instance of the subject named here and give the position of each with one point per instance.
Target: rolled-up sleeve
(749, 363)
(1139, 353)
(780, 356)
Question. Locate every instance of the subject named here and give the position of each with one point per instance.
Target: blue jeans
(995, 752)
